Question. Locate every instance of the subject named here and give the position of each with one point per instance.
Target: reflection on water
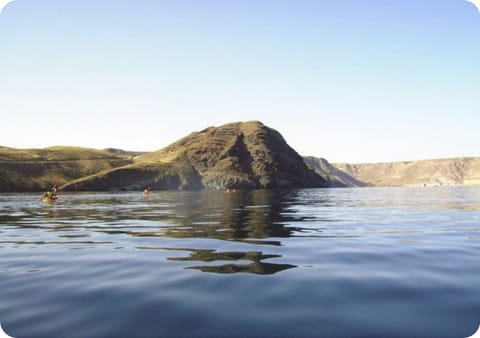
(255, 217)
(256, 266)
(372, 262)
(261, 217)
(237, 217)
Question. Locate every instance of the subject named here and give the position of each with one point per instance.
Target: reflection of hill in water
(254, 217)
(255, 257)
(245, 216)
(251, 216)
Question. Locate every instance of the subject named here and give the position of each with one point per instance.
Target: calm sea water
(365, 262)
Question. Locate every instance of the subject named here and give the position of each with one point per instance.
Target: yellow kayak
(46, 199)
(49, 197)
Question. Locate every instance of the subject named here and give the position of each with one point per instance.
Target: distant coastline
(239, 155)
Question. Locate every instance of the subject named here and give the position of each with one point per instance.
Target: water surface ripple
(369, 262)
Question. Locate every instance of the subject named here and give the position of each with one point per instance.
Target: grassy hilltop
(38, 169)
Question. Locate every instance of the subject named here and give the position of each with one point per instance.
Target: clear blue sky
(348, 80)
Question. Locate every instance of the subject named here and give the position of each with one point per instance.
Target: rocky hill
(243, 155)
(454, 171)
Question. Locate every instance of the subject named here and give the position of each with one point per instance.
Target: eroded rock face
(334, 177)
(452, 171)
(243, 155)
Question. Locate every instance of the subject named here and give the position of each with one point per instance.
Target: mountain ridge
(238, 155)
(449, 171)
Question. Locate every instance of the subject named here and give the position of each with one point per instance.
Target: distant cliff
(454, 171)
(243, 155)
(333, 176)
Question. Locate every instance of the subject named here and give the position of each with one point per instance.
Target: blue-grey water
(365, 262)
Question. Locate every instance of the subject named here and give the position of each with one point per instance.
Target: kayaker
(47, 195)
(50, 195)
(54, 193)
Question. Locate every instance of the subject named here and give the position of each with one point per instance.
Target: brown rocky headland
(242, 155)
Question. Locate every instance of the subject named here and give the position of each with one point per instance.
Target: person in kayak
(54, 193)
(50, 195)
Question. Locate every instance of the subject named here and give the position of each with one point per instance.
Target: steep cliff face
(333, 176)
(243, 155)
(454, 171)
